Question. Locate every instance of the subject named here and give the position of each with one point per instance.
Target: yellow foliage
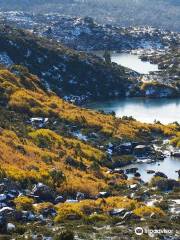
(32, 156)
(39, 208)
(91, 207)
(35, 101)
(176, 140)
(34, 165)
(93, 218)
(105, 205)
(24, 203)
(66, 212)
(118, 202)
(146, 211)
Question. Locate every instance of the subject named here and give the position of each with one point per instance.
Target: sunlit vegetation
(176, 140)
(146, 211)
(24, 203)
(28, 163)
(88, 207)
(39, 208)
(31, 99)
(51, 155)
(98, 210)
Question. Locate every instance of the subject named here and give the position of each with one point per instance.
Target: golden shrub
(146, 211)
(24, 203)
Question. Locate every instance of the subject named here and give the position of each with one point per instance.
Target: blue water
(144, 110)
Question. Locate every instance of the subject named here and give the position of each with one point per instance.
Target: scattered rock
(103, 195)
(123, 176)
(117, 212)
(137, 175)
(44, 192)
(5, 211)
(130, 216)
(150, 171)
(143, 150)
(80, 196)
(176, 154)
(160, 174)
(10, 227)
(178, 171)
(131, 170)
(118, 170)
(133, 186)
(59, 199)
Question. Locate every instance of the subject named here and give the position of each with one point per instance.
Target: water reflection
(169, 166)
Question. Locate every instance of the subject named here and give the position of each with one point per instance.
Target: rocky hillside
(60, 164)
(156, 13)
(79, 76)
(38, 128)
(61, 69)
(169, 74)
(86, 34)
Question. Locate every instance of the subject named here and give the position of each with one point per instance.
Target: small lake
(169, 166)
(147, 110)
(131, 61)
(144, 110)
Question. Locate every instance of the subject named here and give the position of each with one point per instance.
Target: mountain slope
(87, 35)
(157, 13)
(34, 147)
(63, 70)
(61, 165)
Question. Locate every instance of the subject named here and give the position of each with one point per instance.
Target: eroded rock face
(84, 33)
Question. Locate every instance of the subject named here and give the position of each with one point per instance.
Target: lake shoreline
(142, 109)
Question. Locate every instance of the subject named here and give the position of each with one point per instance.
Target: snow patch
(5, 59)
